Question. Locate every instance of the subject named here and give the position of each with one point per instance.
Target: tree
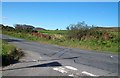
(8, 28)
(67, 28)
(57, 29)
(78, 30)
(24, 28)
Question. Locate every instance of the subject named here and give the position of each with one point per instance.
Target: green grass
(97, 45)
(88, 45)
(9, 53)
(51, 32)
(6, 48)
(114, 33)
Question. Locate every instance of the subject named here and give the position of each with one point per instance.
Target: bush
(82, 31)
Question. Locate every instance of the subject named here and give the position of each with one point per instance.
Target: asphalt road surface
(52, 60)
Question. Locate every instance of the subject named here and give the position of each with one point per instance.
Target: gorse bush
(81, 31)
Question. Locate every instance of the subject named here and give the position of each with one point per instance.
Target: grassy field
(97, 45)
(51, 32)
(9, 53)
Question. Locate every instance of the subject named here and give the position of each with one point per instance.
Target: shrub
(81, 31)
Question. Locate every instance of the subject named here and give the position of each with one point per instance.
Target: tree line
(23, 28)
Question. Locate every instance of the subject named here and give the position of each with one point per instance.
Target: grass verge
(10, 54)
(97, 45)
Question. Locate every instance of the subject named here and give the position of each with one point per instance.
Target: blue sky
(53, 15)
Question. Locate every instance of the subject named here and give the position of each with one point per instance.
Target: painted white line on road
(34, 60)
(66, 69)
(60, 69)
(111, 56)
(87, 73)
(70, 67)
(70, 75)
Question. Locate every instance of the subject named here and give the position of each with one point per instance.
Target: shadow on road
(12, 40)
(49, 59)
(51, 64)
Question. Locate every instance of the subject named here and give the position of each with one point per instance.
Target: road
(52, 60)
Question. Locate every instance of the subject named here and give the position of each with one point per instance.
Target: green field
(51, 32)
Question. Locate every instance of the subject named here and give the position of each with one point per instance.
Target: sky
(53, 15)
(60, 0)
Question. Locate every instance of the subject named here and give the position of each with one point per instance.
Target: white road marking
(87, 73)
(70, 75)
(34, 60)
(60, 69)
(70, 67)
(65, 69)
(111, 56)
